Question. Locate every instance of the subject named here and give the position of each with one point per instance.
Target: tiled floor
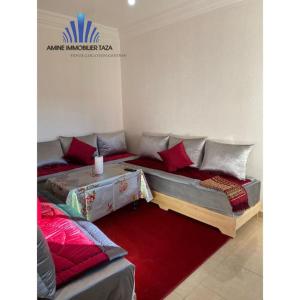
(233, 273)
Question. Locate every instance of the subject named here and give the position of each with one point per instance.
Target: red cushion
(80, 152)
(175, 158)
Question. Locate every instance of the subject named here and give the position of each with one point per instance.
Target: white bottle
(98, 165)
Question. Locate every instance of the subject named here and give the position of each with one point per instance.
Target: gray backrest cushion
(150, 145)
(46, 283)
(194, 148)
(111, 143)
(90, 139)
(49, 153)
(228, 158)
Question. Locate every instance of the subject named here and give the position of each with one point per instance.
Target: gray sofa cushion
(193, 146)
(150, 145)
(113, 281)
(90, 139)
(49, 153)
(228, 158)
(111, 143)
(46, 283)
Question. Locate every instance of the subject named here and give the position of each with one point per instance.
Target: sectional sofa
(177, 190)
(181, 189)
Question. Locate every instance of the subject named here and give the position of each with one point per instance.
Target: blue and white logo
(84, 32)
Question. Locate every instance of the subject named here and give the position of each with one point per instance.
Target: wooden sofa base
(227, 225)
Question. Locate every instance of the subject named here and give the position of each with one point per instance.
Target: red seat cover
(56, 168)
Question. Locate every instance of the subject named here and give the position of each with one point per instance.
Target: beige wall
(76, 95)
(202, 76)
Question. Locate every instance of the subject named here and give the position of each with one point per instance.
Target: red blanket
(72, 251)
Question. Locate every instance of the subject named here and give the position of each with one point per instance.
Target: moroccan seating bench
(183, 194)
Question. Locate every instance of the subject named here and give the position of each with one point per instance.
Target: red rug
(165, 247)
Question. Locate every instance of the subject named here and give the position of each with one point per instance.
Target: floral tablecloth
(95, 196)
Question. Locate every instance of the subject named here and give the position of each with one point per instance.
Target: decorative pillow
(49, 153)
(150, 145)
(111, 143)
(228, 158)
(90, 139)
(46, 282)
(193, 146)
(175, 158)
(80, 152)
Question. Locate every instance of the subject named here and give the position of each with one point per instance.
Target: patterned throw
(235, 192)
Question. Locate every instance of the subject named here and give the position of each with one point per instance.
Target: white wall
(202, 76)
(76, 95)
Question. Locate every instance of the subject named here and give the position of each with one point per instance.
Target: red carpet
(165, 247)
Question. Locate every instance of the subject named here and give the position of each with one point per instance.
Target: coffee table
(95, 196)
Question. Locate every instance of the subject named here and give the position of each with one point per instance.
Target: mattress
(108, 282)
(190, 190)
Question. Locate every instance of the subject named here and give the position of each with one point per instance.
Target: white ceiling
(114, 13)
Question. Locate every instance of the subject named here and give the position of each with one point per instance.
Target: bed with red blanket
(184, 192)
